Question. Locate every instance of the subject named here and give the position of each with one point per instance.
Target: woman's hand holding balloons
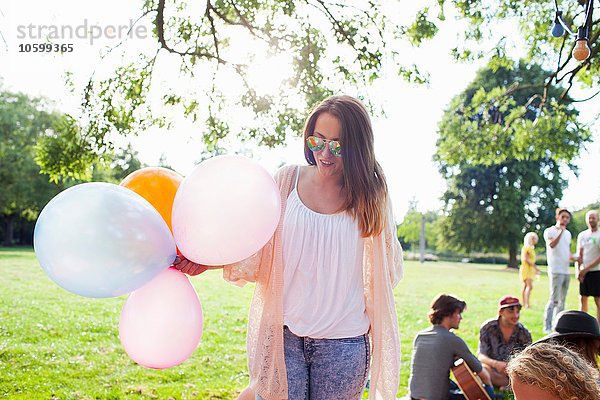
(189, 267)
(103, 240)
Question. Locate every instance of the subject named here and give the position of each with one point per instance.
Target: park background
(468, 137)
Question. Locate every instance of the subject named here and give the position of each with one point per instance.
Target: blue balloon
(102, 240)
(557, 30)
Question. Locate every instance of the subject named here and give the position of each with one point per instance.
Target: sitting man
(436, 348)
(501, 337)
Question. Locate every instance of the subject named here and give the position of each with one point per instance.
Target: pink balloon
(225, 210)
(161, 323)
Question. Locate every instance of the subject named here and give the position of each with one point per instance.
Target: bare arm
(585, 268)
(498, 365)
(554, 241)
(528, 259)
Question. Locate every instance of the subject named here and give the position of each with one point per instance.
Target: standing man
(501, 337)
(434, 352)
(558, 252)
(588, 246)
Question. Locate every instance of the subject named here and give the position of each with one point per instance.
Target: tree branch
(582, 65)
(586, 99)
(367, 13)
(128, 32)
(340, 29)
(160, 31)
(516, 86)
(213, 30)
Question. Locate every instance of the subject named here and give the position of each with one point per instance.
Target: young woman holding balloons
(323, 314)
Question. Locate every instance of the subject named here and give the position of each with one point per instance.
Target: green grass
(54, 344)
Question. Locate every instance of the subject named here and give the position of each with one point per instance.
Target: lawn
(56, 345)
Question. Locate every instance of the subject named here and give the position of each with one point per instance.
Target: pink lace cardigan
(382, 269)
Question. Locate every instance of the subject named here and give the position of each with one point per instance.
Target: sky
(404, 139)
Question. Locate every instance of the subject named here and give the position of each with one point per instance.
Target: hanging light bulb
(581, 51)
(557, 29)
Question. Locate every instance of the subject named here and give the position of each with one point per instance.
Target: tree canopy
(324, 46)
(25, 124)
(504, 173)
(409, 231)
(533, 19)
(24, 190)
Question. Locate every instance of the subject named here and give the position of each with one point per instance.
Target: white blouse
(323, 295)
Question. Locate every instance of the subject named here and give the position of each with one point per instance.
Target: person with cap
(558, 253)
(436, 348)
(579, 331)
(500, 337)
(588, 271)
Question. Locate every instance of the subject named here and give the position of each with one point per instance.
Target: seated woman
(580, 332)
(549, 371)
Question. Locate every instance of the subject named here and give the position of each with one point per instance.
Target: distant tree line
(25, 123)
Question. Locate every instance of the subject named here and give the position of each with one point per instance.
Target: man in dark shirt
(435, 350)
(500, 337)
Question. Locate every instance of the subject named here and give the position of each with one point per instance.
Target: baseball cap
(508, 301)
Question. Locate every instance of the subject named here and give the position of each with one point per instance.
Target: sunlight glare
(267, 74)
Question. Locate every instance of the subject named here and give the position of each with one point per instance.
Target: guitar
(468, 382)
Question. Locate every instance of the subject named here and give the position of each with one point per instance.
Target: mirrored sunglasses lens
(336, 148)
(315, 143)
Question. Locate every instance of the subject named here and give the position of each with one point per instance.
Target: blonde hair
(590, 212)
(528, 239)
(555, 369)
(364, 181)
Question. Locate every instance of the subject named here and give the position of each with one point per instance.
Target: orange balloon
(158, 186)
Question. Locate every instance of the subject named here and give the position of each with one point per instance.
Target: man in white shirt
(558, 252)
(588, 249)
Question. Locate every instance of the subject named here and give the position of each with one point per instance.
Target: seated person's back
(436, 348)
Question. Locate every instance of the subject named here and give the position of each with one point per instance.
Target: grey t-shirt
(434, 352)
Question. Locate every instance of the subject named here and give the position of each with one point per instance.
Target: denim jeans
(325, 369)
(559, 284)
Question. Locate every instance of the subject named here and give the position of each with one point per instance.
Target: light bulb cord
(586, 24)
(588, 17)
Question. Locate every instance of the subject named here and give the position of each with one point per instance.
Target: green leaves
(329, 47)
(22, 122)
(63, 152)
(501, 146)
(493, 124)
(421, 29)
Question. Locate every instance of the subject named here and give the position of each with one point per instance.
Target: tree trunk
(8, 230)
(512, 255)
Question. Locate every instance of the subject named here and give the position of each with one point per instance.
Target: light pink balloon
(161, 323)
(225, 210)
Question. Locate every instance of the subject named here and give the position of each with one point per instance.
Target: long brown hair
(444, 305)
(587, 347)
(364, 181)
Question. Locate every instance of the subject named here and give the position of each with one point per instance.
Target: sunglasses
(512, 308)
(316, 144)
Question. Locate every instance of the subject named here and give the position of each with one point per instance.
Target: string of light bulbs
(581, 51)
